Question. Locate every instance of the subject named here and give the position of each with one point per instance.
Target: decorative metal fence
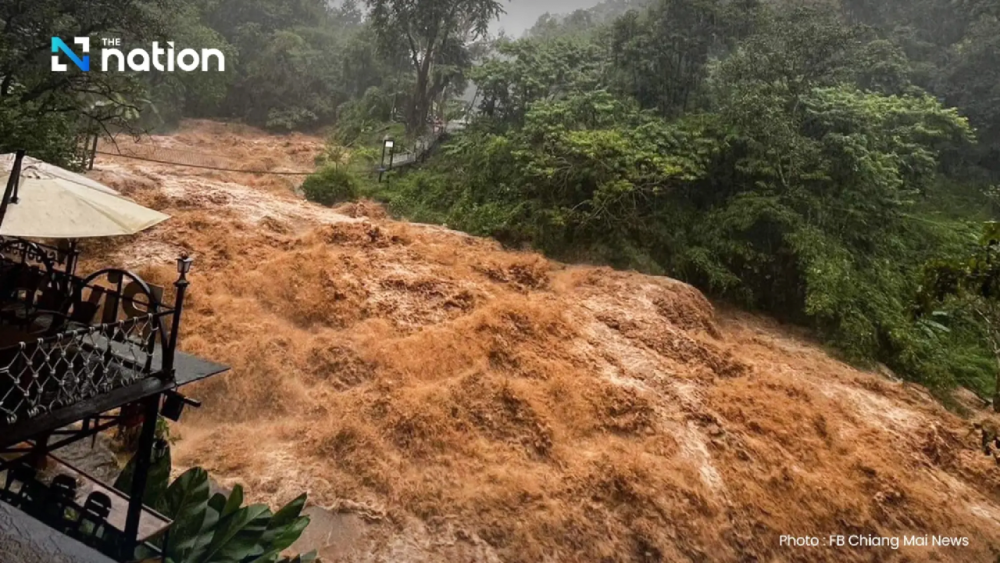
(67, 339)
(37, 377)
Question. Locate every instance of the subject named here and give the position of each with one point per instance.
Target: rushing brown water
(447, 400)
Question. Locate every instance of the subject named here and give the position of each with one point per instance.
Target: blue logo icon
(82, 63)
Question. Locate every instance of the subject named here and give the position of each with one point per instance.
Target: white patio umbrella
(54, 203)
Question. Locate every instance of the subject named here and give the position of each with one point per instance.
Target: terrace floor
(24, 539)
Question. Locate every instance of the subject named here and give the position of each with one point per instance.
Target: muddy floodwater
(441, 398)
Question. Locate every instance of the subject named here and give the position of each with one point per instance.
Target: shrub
(330, 186)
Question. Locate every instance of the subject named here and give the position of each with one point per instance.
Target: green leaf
(237, 535)
(289, 513)
(218, 503)
(283, 530)
(234, 503)
(186, 503)
(281, 539)
(207, 530)
(156, 481)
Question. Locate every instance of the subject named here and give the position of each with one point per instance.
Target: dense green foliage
(292, 65)
(330, 186)
(968, 284)
(800, 158)
(290, 71)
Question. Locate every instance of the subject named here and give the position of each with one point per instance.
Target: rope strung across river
(117, 155)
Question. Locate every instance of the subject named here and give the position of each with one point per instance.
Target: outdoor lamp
(389, 143)
(173, 406)
(174, 403)
(184, 264)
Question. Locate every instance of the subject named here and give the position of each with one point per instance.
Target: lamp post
(183, 268)
(387, 145)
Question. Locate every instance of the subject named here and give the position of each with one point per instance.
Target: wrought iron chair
(92, 526)
(111, 541)
(30, 493)
(131, 312)
(19, 475)
(61, 499)
(21, 252)
(64, 487)
(29, 291)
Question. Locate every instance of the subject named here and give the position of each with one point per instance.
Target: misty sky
(522, 14)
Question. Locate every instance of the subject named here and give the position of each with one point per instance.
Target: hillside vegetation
(805, 159)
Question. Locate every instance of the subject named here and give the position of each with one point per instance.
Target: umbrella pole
(93, 151)
(74, 256)
(10, 194)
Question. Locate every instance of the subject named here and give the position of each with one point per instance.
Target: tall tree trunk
(417, 120)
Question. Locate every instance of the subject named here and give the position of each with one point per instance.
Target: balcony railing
(66, 339)
(78, 356)
(38, 376)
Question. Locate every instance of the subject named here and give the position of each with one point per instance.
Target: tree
(660, 55)
(425, 30)
(974, 283)
(971, 83)
(44, 111)
(805, 212)
(526, 71)
(175, 95)
(296, 60)
(953, 52)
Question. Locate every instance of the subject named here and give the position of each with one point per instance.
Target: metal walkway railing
(425, 144)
